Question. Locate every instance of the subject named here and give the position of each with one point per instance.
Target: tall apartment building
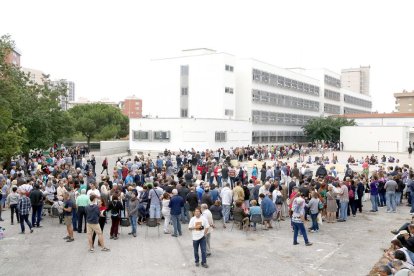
(208, 99)
(356, 79)
(70, 93)
(131, 107)
(404, 102)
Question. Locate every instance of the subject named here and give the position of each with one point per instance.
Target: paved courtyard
(350, 248)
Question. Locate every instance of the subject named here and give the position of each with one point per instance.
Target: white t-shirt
(198, 234)
(95, 192)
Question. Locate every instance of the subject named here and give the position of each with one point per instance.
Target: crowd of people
(204, 189)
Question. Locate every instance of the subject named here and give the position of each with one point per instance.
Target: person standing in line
(344, 201)
(115, 206)
(102, 220)
(67, 211)
(298, 220)
(166, 212)
(36, 200)
(133, 212)
(227, 198)
(24, 207)
(199, 228)
(390, 187)
(209, 216)
(92, 220)
(81, 203)
(176, 203)
(12, 201)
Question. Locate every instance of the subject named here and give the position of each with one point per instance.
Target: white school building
(205, 99)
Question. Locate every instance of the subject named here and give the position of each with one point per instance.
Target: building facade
(404, 101)
(70, 93)
(36, 76)
(274, 103)
(14, 57)
(131, 107)
(356, 79)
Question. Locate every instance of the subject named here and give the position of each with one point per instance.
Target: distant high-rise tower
(70, 93)
(356, 79)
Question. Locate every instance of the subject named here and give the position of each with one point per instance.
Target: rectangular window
(228, 90)
(228, 112)
(161, 135)
(184, 113)
(184, 70)
(221, 136)
(184, 91)
(140, 135)
(229, 68)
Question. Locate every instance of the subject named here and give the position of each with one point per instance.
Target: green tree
(99, 121)
(30, 115)
(325, 128)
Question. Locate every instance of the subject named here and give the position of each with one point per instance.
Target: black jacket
(36, 197)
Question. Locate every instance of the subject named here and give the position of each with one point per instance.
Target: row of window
(357, 101)
(184, 113)
(229, 68)
(331, 108)
(228, 90)
(184, 70)
(277, 136)
(228, 112)
(329, 94)
(149, 135)
(332, 81)
(283, 82)
(348, 110)
(273, 118)
(260, 96)
(221, 136)
(184, 91)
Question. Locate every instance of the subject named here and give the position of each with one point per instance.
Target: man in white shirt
(199, 228)
(94, 191)
(207, 214)
(226, 200)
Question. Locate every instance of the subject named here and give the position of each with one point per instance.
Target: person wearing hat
(176, 203)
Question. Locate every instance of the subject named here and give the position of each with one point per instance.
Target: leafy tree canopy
(99, 121)
(325, 128)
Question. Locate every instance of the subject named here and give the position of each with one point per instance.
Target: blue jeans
(184, 214)
(412, 201)
(23, 219)
(133, 220)
(343, 211)
(391, 205)
(36, 215)
(226, 213)
(155, 211)
(315, 225)
(202, 244)
(74, 220)
(398, 198)
(382, 199)
(176, 224)
(298, 226)
(374, 203)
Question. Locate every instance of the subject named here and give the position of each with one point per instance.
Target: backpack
(279, 200)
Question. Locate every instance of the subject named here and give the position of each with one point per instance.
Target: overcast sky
(105, 46)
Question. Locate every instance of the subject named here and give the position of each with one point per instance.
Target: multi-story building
(36, 76)
(197, 99)
(14, 57)
(404, 101)
(131, 107)
(70, 93)
(356, 79)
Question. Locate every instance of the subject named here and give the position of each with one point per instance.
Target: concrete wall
(375, 139)
(114, 147)
(187, 133)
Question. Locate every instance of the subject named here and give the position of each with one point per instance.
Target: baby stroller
(57, 210)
